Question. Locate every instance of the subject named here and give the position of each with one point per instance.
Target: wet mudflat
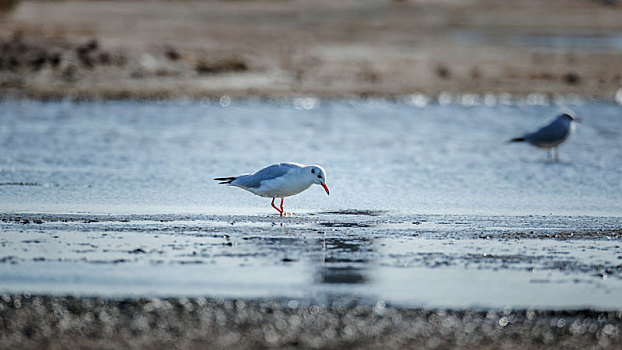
(413, 261)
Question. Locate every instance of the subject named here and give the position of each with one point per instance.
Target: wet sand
(34, 322)
(440, 261)
(163, 49)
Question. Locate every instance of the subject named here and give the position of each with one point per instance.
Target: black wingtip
(225, 180)
(517, 139)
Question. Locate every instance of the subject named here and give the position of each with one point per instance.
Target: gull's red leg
(282, 211)
(277, 209)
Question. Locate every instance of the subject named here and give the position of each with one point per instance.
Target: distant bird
(279, 181)
(551, 135)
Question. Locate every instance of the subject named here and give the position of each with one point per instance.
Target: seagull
(279, 181)
(551, 135)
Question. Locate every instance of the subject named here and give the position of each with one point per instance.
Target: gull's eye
(312, 171)
(319, 176)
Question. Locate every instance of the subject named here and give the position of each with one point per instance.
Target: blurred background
(266, 48)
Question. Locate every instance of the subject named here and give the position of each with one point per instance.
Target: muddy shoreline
(382, 49)
(408, 261)
(31, 322)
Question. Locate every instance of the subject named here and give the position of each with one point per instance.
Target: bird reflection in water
(340, 264)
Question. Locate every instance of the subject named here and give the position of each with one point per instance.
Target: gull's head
(317, 175)
(569, 116)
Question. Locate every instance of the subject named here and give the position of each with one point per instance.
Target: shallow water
(130, 157)
(429, 205)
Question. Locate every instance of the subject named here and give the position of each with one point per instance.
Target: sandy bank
(162, 49)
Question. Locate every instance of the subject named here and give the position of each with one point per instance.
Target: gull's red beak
(325, 189)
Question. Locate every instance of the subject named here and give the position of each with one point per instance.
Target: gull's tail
(225, 180)
(517, 139)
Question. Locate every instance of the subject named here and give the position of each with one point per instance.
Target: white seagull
(551, 135)
(279, 181)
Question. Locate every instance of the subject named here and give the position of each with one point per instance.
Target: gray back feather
(553, 132)
(267, 173)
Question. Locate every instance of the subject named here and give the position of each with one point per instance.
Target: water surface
(64, 156)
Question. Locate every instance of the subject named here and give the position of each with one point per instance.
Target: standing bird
(551, 135)
(279, 181)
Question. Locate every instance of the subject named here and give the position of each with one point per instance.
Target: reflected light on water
(224, 101)
(305, 103)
